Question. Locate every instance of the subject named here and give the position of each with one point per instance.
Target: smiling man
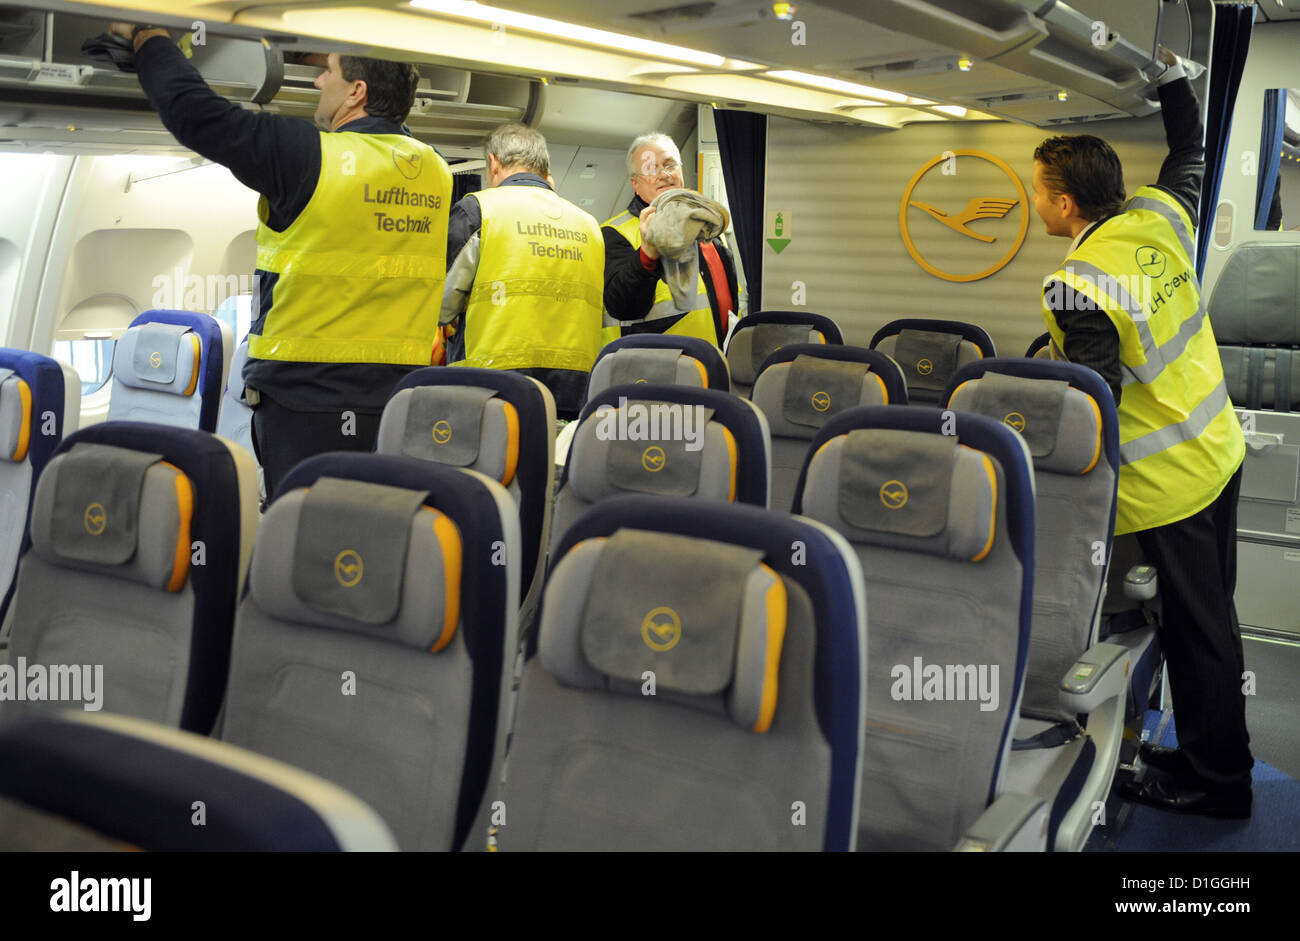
(637, 299)
(1126, 302)
(351, 242)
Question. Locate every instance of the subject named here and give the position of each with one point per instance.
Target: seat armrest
(1014, 823)
(1141, 582)
(1100, 673)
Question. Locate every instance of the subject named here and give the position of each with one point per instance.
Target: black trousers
(1197, 561)
(283, 437)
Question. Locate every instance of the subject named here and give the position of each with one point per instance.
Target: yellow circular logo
(924, 367)
(95, 519)
(661, 629)
(441, 431)
(893, 494)
(155, 359)
(408, 164)
(348, 567)
(964, 222)
(821, 401)
(638, 381)
(653, 459)
(1014, 421)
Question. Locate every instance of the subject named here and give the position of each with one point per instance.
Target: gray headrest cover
(151, 518)
(658, 458)
(97, 503)
(1076, 434)
(817, 389)
(968, 504)
(642, 364)
(767, 338)
(350, 554)
(927, 358)
(1031, 407)
(444, 423)
(677, 618)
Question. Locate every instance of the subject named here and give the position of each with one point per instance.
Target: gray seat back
(1255, 310)
(929, 519)
(125, 600)
(749, 347)
(633, 364)
(1074, 519)
(372, 644)
(157, 369)
(928, 359)
(798, 398)
(236, 418)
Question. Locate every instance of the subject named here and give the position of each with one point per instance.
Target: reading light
(965, 64)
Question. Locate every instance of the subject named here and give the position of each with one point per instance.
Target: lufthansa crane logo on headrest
(155, 359)
(654, 459)
(924, 367)
(348, 567)
(661, 629)
(893, 494)
(408, 164)
(639, 381)
(95, 519)
(441, 431)
(1014, 420)
(821, 401)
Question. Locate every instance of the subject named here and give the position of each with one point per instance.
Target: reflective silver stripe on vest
(1171, 350)
(619, 219)
(1180, 230)
(662, 311)
(1156, 441)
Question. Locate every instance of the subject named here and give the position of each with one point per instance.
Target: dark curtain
(462, 184)
(1232, 27)
(742, 144)
(1270, 153)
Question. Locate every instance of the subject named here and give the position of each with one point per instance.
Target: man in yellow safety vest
(637, 298)
(1126, 302)
(524, 274)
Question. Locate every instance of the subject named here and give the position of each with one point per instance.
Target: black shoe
(1164, 758)
(1233, 801)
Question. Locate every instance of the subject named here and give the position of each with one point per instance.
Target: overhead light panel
(965, 64)
(826, 83)
(957, 111)
(468, 9)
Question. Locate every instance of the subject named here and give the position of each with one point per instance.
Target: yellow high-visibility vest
(536, 300)
(1180, 440)
(362, 267)
(698, 322)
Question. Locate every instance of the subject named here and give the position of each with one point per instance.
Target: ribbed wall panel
(842, 187)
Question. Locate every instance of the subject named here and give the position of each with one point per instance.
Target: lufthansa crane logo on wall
(968, 221)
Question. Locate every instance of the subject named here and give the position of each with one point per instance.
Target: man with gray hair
(524, 270)
(637, 298)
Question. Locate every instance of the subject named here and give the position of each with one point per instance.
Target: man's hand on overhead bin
(137, 34)
(1166, 55)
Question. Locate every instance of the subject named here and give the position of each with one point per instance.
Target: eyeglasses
(669, 168)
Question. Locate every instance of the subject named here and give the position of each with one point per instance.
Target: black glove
(110, 49)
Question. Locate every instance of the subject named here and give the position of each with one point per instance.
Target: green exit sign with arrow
(778, 230)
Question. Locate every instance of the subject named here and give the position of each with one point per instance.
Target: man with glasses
(637, 298)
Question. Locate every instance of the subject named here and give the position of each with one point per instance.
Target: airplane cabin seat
(930, 351)
(759, 335)
(802, 386)
(697, 685)
(169, 367)
(373, 647)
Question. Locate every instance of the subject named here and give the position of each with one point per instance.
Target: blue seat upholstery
(930, 351)
(597, 762)
(758, 335)
(39, 404)
(157, 616)
(383, 666)
(146, 786)
(940, 510)
(169, 368)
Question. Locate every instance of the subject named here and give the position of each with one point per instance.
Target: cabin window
(91, 357)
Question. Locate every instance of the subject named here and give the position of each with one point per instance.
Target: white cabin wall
(841, 189)
(1272, 64)
(29, 206)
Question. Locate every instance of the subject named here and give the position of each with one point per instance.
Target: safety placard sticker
(1291, 556)
(1293, 520)
(59, 73)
